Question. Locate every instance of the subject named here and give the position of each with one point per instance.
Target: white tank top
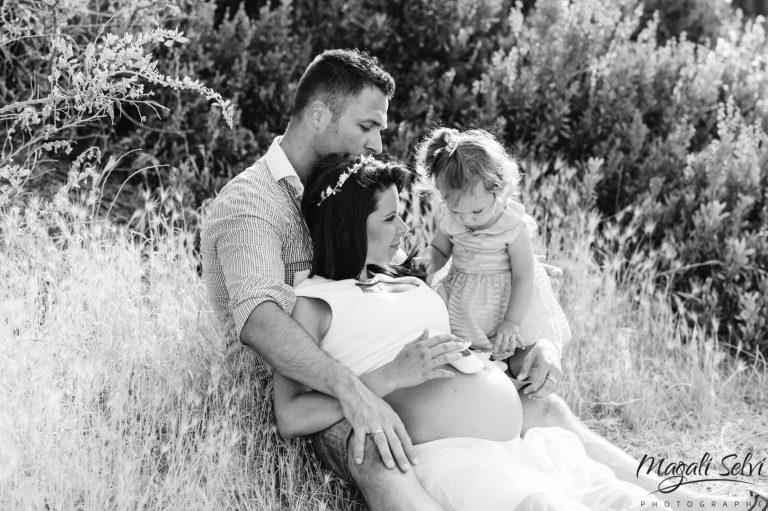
(368, 329)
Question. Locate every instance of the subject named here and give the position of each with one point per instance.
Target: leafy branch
(84, 87)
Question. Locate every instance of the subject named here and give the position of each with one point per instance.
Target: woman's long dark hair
(338, 225)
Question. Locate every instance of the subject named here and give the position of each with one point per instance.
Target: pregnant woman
(464, 418)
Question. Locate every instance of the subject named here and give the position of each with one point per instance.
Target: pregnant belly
(482, 405)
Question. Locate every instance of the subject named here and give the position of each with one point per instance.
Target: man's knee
(372, 470)
(386, 488)
(547, 412)
(371, 464)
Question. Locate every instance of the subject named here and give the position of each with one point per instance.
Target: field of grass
(114, 393)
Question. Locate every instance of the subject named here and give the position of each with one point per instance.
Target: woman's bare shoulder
(314, 314)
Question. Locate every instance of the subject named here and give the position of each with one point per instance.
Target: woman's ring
(552, 379)
(377, 432)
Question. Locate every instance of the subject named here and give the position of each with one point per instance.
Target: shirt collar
(281, 168)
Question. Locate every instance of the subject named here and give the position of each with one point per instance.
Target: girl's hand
(507, 339)
(422, 359)
(424, 263)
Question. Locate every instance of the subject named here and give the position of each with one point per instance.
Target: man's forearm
(290, 350)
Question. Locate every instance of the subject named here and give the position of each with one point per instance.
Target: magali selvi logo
(747, 469)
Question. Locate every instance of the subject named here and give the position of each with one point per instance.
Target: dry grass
(113, 388)
(645, 380)
(114, 393)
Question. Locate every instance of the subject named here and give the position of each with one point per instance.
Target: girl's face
(475, 208)
(385, 228)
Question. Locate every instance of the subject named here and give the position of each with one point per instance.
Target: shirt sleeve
(249, 250)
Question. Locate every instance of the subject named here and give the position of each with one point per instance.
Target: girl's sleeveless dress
(478, 284)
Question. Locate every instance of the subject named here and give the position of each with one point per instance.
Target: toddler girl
(498, 296)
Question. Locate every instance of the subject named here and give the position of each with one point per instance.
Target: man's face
(358, 128)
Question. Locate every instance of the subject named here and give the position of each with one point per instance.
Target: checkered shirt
(254, 240)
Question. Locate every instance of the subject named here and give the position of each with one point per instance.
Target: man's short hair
(336, 76)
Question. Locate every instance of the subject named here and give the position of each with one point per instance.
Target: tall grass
(114, 393)
(636, 371)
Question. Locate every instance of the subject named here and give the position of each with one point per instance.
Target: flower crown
(354, 169)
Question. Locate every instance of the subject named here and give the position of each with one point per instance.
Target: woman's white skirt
(548, 470)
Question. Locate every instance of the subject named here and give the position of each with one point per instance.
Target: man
(255, 240)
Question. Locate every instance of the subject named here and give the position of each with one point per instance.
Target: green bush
(669, 130)
(680, 130)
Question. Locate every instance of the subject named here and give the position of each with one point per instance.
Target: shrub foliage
(662, 113)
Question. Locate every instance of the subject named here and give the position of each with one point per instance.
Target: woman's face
(385, 228)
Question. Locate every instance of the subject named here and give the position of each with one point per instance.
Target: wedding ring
(552, 379)
(377, 432)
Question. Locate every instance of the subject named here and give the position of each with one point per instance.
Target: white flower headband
(451, 143)
(364, 160)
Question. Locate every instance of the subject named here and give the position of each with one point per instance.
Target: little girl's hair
(455, 159)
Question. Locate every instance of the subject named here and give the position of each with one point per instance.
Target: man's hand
(419, 361)
(370, 415)
(555, 273)
(542, 366)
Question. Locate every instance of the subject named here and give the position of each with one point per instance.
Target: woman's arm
(301, 411)
(298, 410)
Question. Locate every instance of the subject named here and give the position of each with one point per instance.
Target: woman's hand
(422, 359)
(542, 366)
